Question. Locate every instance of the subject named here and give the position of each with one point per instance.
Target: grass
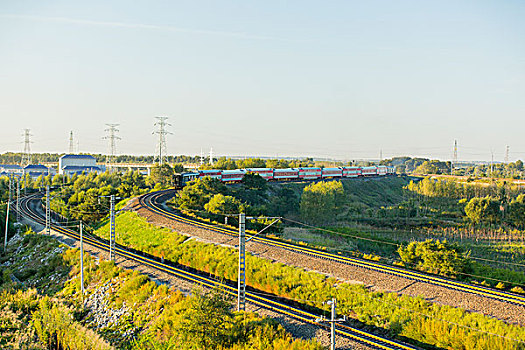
(32, 319)
(413, 319)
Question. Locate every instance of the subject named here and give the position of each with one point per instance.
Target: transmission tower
(507, 151)
(112, 137)
(491, 162)
(455, 159)
(26, 156)
(71, 143)
(211, 156)
(162, 132)
(380, 155)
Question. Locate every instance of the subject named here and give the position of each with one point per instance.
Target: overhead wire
(355, 237)
(409, 310)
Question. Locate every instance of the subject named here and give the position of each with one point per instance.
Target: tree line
(489, 204)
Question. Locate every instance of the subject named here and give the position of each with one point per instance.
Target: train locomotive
(288, 174)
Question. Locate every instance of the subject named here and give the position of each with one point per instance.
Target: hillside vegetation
(412, 319)
(376, 218)
(41, 308)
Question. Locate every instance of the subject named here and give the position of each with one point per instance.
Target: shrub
(434, 256)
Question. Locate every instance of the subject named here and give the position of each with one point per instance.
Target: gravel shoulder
(374, 280)
(296, 328)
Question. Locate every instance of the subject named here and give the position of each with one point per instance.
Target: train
(288, 174)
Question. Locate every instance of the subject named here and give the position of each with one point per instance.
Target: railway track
(352, 333)
(152, 202)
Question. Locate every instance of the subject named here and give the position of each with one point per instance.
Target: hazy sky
(337, 79)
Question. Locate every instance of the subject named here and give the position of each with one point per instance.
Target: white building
(35, 170)
(6, 169)
(70, 164)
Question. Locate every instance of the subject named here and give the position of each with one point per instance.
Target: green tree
(277, 163)
(434, 256)
(483, 210)
(199, 192)
(254, 182)
(220, 203)
(163, 175)
(320, 201)
(251, 163)
(284, 202)
(178, 168)
(253, 189)
(204, 322)
(221, 163)
(516, 213)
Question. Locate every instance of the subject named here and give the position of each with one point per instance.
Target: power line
(162, 132)
(183, 210)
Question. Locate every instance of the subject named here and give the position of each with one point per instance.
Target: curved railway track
(355, 334)
(151, 201)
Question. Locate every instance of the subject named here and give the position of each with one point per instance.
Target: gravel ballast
(374, 280)
(296, 328)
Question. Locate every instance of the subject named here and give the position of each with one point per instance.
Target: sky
(336, 79)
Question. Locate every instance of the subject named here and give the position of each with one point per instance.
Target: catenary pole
(241, 293)
(48, 212)
(112, 228)
(332, 325)
(333, 320)
(6, 226)
(18, 201)
(82, 261)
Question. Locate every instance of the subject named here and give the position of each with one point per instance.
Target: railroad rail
(355, 334)
(151, 201)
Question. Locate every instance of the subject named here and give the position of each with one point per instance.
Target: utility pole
(112, 137)
(71, 143)
(241, 280)
(491, 163)
(333, 320)
(202, 158)
(18, 202)
(8, 209)
(48, 212)
(10, 196)
(82, 261)
(380, 155)
(26, 155)
(241, 292)
(112, 227)
(6, 225)
(162, 132)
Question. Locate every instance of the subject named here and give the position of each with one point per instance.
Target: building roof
(77, 156)
(35, 167)
(79, 167)
(10, 166)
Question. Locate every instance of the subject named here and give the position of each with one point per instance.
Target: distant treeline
(425, 166)
(16, 158)
(218, 163)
